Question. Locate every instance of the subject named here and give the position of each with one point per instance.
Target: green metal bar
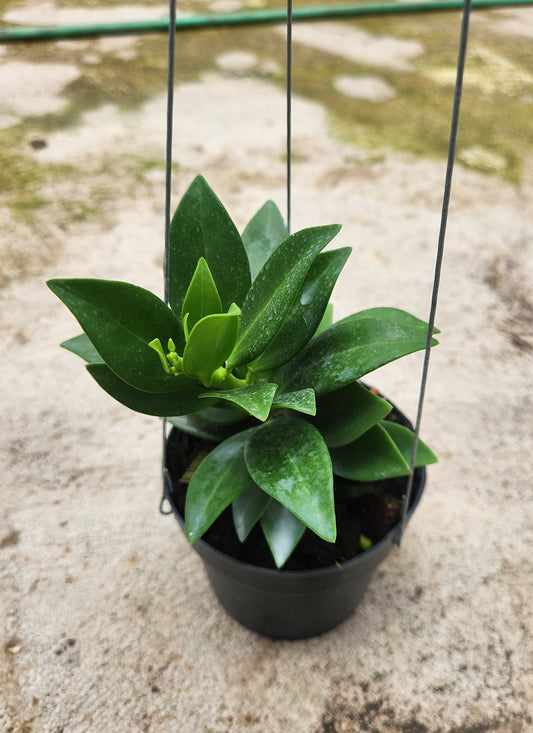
(256, 17)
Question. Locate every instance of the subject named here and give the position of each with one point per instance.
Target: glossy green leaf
(301, 401)
(262, 235)
(403, 438)
(223, 413)
(288, 459)
(327, 319)
(194, 425)
(255, 399)
(81, 346)
(120, 320)
(282, 531)
(219, 479)
(248, 508)
(274, 289)
(201, 227)
(348, 412)
(181, 402)
(202, 298)
(346, 352)
(209, 345)
(392, 315)
(306, 312)
(372, 457)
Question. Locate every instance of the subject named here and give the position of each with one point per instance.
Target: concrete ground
(106, 619)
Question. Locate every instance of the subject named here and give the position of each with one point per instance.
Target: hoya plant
(246, 354)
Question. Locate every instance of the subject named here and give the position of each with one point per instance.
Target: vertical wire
(289, 110)
(463, 42)
(168, 196)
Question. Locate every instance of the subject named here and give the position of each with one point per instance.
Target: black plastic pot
(294, 604)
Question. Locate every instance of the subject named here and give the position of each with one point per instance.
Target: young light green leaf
(282, 531)
(120, 320)
(201, 227)
(262, 235)
(256, 399)
(82, 346)
(219, 479)
(347, 351)
(181, 402)
(248, 508)
(403, 438)
(202, 298)
(305, 313)
(288, 459)
(372, 457)
(274, 289)
(344, 415)
(301, 401)
(209, 345)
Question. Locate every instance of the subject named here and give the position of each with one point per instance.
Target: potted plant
(290, 469)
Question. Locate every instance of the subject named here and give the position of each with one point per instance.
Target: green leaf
(347, 351)
(201, 227)
(327, 319)
(120, 320)
(347, 413)
(274, 289)
(288, 459)
(372, 457)
(262, 235)
(202, 298)
(305, 314)
(403, 438)
(194, 425)
(219, 479)
(282, 531)
(256, 399)
(392, 315)
(223, 414)
(248, 508)
(301, 401)
(209, 345)
(181, 402)
(82, 346)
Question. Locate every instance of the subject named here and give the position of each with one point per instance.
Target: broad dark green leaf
(403, 438)
(348, 412)
(274, 289)
(327, 319)
(282, 531)
(194, 425)
(262, 235)
(219, 479)
(201, 227)
(248, 508)
(306, 312)
(255, 399)
(223, 413)
(301, 401)
(201, 298)
(392, 315)
(372, 457)
(120, 320)
(181, 402)
(346, 352)
(209, 344)
(288, 459)
(82, 346)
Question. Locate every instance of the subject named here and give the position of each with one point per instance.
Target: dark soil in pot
(373, 514)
